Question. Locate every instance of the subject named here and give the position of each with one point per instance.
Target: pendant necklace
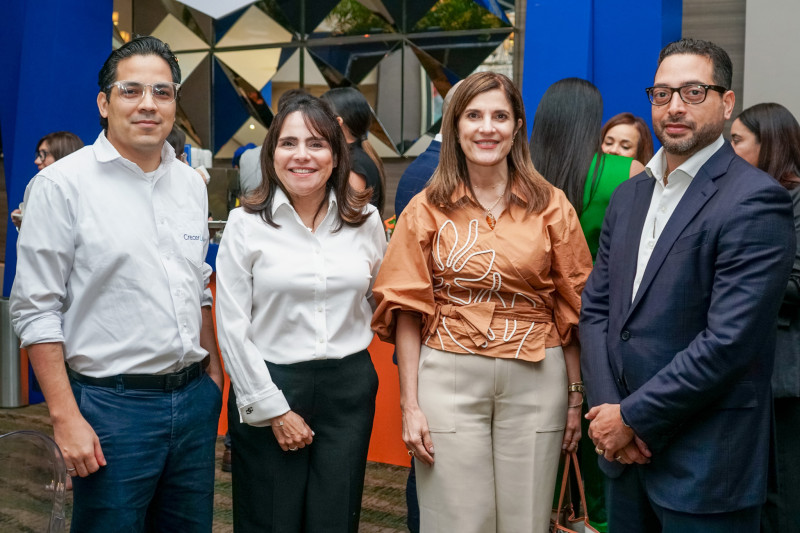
(490, 218)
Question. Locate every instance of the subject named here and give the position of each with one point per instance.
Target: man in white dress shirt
(111, 279)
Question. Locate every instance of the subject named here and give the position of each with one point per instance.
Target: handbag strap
(564, 479)
(580, 489)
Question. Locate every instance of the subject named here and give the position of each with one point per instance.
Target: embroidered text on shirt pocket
(690, 242)
(190, 235)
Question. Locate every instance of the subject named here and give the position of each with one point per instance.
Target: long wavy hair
(778, 132)
(566, 136)
(452, 170)
(644, 149)
(320, 119)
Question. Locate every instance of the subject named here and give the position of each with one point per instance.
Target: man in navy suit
(679, 316)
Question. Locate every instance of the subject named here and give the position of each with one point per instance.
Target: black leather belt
(162, 382)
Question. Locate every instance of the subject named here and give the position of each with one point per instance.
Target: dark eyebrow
(287, 139)
(683, 84)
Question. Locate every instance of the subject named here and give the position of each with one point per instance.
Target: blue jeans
(159, 449)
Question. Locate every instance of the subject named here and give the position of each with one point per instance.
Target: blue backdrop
(612, 43)
(51, 53)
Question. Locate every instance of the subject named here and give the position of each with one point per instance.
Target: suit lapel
(699, 192)
(641, 203)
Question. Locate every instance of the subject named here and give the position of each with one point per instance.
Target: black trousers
(781, 512)
(631, 511)
(316, 489)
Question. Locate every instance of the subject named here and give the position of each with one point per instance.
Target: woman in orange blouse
(480, 291)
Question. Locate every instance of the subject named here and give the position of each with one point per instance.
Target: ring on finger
(411, 453)
(71, 469)
(618, 458)
(293, 449)
(599, 450)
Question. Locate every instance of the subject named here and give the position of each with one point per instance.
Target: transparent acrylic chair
(32, 483)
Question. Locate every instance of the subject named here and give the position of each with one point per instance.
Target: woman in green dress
(565, 149)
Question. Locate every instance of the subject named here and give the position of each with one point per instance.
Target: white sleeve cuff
(260, 412)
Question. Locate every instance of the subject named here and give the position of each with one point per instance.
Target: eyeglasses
(42, 154)
(690, 94)
(163, 92)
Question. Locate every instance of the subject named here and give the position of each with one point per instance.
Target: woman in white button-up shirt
(294, 301)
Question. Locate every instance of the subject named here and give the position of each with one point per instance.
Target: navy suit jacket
(416, 176)
(689, 359)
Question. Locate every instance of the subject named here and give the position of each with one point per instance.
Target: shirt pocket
(191, 232)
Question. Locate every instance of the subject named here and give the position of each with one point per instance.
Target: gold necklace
(490, 218)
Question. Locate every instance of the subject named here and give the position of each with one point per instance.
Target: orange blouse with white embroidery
(510, 292)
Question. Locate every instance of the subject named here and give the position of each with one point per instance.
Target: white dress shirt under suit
(287, 295)
(111, 263)
(666, 198)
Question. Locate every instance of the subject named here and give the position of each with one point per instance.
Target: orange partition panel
(386, 444)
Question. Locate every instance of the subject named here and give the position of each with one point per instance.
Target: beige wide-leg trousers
(497, 427)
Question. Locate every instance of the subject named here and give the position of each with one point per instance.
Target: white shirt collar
(655, 167)
(104, 151)
(280, 199)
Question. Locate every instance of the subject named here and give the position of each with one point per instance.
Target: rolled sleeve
(45, 255)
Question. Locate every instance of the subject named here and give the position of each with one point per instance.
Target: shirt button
(663, 210)
(319, 309)
(316, 251)
(320, 341)
(651, 244)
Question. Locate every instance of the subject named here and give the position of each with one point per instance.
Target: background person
(768, 137)
(294, 285)
(565, 150)
(469, 288)
(355, 117)
(50, 149)
(627, 135)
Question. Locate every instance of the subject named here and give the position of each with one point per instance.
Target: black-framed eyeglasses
(42, 154)
(694, 93)
(164, 92)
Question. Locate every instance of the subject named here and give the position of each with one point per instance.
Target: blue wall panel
(612, 43)
(51, 53)
(558, 44)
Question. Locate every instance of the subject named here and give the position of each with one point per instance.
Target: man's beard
(689, 146)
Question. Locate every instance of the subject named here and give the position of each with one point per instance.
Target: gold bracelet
(577, 405)
(577, 387)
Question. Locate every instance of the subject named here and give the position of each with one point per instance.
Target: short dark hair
(723, 70)
(356, 114)
(290, 95)
(141, 45)
(778, 132)
(320, 119)
(60, 143)
(177, 139)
